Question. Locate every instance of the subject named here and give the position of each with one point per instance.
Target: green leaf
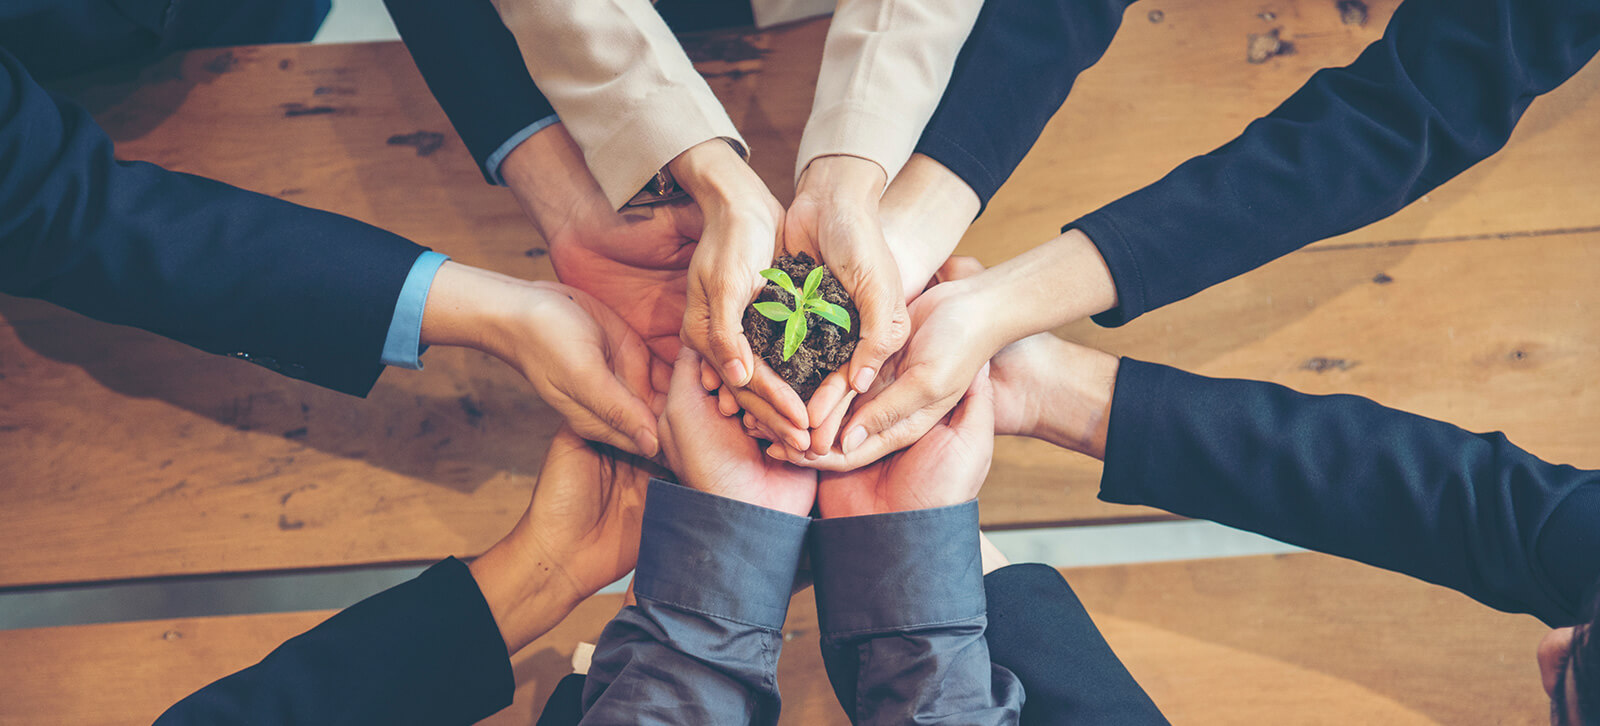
(793, 334)
(813, 280)
(774, 310)
(781, 278)
(831, 313)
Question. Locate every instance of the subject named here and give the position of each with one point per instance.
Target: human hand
(834, 218)
(711, 453)
(636, 261)
(924, 212)
(742, 220)
(947, 466)
(579, 534)
(582, 359)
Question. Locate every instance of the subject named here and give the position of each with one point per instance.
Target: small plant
(806, 300)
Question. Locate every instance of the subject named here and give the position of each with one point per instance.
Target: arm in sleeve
(472, 65)
(424, 651)
(1012, 75)
(1438, 93)
(884, 65)
(1039, 630)
(900, 601)
(701, 645)
(307, 293)
(1346, 476)
(621, 83)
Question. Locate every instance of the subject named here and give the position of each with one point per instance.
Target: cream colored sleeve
(620, 82)
(884, 68)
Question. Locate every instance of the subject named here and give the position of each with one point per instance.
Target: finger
(958, 267)
(611, 407)
(780, 397)
(726, 404)
(778, 427)
(660, 382)
(885, 325)
(827, 399)
(911, 399)
(730, 351)
(826, 434)
(708, 377)
(974, 416)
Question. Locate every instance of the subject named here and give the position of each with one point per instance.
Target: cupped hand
(711, 453)
(946, 466)
(834, 218)
(636, 260)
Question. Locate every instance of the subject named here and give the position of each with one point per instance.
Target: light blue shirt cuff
(492, 164)
(403, 347)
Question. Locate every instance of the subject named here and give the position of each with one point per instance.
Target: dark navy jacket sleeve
(474, 68)
(900, 602)
(701, 645)
(1438, 93)
(305, 292)
(423, 652)
(1039, 630)
(1014, 72)
(1346, 476)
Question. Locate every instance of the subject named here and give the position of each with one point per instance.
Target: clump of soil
(827, 347)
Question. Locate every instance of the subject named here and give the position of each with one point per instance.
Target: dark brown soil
(827, 347)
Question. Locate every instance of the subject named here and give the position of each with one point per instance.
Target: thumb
(896, 417)
(885, 325)
(973, 418)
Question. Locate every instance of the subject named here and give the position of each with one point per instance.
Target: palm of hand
(637, 263)
(586, 511)
(939, 470)
(587, 338)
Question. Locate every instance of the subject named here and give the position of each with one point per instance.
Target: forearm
(474, 69)
(712, 590)
(925, 212)
(425, 651)
(884, 65)
(1439, 92)
(1059, 282)
(622, 84)
(1346, 476)
(901, 608)
(1014, 72)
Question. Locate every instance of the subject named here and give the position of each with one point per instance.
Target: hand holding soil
(803, 346)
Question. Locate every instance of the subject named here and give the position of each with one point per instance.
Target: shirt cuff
(890, 572)
(403, 347)
(717, 556)
(491, 165)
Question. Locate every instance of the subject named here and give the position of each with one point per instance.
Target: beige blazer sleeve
(884, 67)
(620, 82)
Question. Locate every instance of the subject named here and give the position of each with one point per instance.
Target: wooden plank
(1303, 639)
(163, 460)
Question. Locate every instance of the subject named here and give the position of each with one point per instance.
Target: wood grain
(124, 455)
(1302, 639)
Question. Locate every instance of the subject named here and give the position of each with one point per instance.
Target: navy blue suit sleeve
(1014, 72)
(1039, 631)
(426, 651)
(1438, 93)
(474, 68)
(1346, 476)
(305, 292)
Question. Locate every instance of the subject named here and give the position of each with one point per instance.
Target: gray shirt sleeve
(701, 645)
(901, 603)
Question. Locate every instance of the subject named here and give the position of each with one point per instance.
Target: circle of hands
(644, 351)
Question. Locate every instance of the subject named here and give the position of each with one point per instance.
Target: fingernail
(736, 372)
(776, 451)
(797, 443)
(853, 439)
(863, 379)
(649, 445)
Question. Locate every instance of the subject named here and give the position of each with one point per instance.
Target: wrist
(474, 308)
(843, 180)
(1077, 392)
(550, 180)
(523, 593)
(925, 212)
(716, 176)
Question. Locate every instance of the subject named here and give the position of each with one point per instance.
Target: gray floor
(366, 20)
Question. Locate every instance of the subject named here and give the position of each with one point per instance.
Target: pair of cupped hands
(639, 284)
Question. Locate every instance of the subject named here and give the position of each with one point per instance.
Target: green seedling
(807, 300)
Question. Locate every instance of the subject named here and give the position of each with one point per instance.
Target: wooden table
(124, 455)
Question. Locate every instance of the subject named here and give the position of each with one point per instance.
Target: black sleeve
(1040, 632)
(426, 651)
(1438, 93)
(1012, 75)
(1346, 476)
(474, 68)
(307, 293)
